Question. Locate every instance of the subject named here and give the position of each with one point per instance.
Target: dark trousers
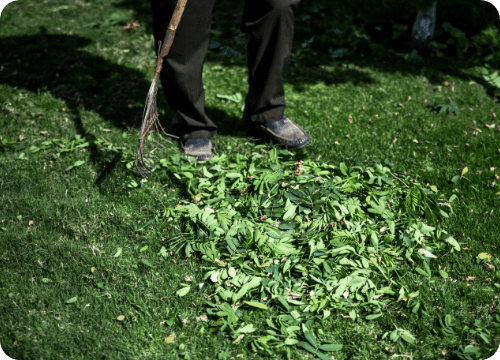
(270, 24)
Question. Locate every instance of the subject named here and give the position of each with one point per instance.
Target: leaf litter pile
(304, 239)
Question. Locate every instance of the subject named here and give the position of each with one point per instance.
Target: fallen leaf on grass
(43, 132)
(238, 338)
(30, 223)
(131, 25)
(350, 119)
(189, 278)
(446, 83)
(21, 138)
(469, 278)
(120, 318)
(170, 339)
(490, 267)
(202, 317)
(200, 285)
(214, 276)
(337, 143)
(185, 321)
(394, 140)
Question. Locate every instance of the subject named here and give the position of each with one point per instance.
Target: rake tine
(143, 172)
(150, 116)
(160, 145)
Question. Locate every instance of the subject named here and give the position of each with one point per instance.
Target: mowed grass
(66, 72)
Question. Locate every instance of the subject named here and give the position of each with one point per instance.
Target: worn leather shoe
(201, 149)
(284, 132)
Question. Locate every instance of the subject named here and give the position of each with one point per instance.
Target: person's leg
(181, 75)
(425, 22)
(270, 24)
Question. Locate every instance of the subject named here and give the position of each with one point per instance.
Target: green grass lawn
(72, 91)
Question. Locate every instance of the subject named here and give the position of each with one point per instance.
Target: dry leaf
(214, 276)
(446, 83)
(21, 138)
(401, 104)
(43, 132)
(240, 355)
(197, 198)
(120, 318)
(200, 285)
(350, 119)
(238, 338)
(337, 143)
(202, 317)
(409, 97)
(189, 278)
(376, 116)
(394, 140)
(30, 223)
(493, 305)
(490, 267)
(347, 136)
(185, 321)
(425, 101)
(131, 25)
(469, 278)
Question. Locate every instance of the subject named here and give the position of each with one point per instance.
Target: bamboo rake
(150, 115)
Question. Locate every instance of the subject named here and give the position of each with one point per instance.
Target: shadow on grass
(55, 64)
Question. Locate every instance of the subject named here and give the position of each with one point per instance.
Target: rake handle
(169, 37)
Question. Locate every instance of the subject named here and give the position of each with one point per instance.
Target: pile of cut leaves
(304, 239)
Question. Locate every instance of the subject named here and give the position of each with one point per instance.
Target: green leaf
(322, 356)
(72, 300)
(306, 346)
(455, 178)
(290, 213)
(144, 248)
(163, 252)
(146, 262)
(233, 175)
(309, 336)
(79, 162)
(343, 168)
(256, 304)
(408, 338)
(291, 341)
(183, 291)
(331, 347)
(118, 252)
(443, 274)
(247, 329)
(45, 280)
(422, 272)
(373, 316)
(283, 302)
(450, 240)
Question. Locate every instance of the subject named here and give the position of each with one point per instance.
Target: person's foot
(284, 132)
(201, 149)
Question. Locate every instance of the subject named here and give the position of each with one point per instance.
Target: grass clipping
(304, 238)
